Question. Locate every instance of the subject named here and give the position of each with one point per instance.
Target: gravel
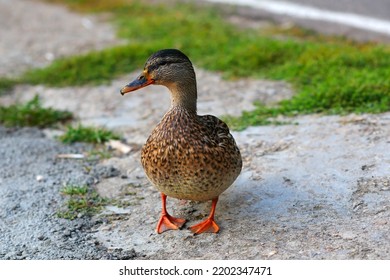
(29, 226)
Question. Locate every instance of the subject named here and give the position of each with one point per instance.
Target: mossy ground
(33, 114)
(81, 201)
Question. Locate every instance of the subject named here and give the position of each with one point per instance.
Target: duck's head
(169, 67)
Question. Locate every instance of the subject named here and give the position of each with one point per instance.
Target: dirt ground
(315, 189)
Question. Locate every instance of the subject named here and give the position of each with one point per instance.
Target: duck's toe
(167, 222)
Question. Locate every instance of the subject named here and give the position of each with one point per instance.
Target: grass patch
(261, 115)
(87, 134)
(329, 74)
(32, 114)
(73, 190)
(92, 5)
(93, 68)
(82, 201)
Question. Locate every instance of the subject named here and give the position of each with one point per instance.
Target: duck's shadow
(272, 199)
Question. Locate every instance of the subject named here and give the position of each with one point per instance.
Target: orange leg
(166, 221)
(208, 225)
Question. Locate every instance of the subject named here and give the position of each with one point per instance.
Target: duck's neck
(184, 95)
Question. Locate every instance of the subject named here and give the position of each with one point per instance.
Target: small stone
(381, 222)
(39, 178)
(87, 23)
(271, 253)
(349, 235)
(41, 237)
(49, 56)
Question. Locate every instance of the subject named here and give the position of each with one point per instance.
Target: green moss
(75, 190)
(81, 201)
(100, 153)
(32, 114)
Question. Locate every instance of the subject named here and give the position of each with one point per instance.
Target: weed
(82, 201)
(87, 134)
(261, 115)
(100, 153)
(32, 114)
(75, 190)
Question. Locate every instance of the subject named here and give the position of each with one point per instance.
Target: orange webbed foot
(208, 225)
(167, 222)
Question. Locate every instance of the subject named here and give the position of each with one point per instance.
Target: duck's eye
(163, 63)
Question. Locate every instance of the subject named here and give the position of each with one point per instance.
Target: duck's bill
(138, 83)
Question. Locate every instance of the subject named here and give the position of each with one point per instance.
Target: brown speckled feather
(191, 157)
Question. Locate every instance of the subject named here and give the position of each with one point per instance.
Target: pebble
(39, 178)
(349, 235)
(41, 237)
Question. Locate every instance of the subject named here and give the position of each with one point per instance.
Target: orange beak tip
(124, 90)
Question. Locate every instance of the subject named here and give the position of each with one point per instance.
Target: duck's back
(191, 157)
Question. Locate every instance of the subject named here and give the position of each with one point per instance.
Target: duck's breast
(191, 157)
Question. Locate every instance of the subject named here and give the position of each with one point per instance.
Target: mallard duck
(187, 156)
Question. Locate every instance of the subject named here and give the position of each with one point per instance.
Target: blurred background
(302, 42)
(303, 85)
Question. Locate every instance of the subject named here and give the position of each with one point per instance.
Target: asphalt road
(373, 8)
(359, 19)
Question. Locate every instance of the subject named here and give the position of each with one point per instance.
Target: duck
(187, 156)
